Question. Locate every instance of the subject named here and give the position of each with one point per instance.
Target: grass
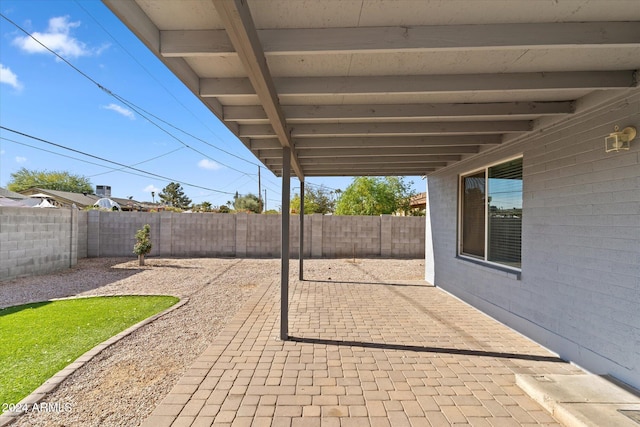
(38, 340)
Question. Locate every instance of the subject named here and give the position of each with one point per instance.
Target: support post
(284, 244)
(301, 246)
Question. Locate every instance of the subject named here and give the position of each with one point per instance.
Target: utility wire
(139, 110)
(116, 96)
(111, 161)
(136, 164)
(168, 91)
(70, 157)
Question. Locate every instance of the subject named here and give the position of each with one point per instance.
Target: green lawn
(37, 340)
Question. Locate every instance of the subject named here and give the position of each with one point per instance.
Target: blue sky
(44, 97)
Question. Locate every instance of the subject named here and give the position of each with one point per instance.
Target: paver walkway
(363, 352)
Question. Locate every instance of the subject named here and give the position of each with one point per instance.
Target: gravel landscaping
(124, 383)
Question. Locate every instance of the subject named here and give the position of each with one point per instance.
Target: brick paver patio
(366, 352)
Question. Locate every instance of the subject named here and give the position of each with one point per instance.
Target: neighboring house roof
(64, 198)
(11, 194)
(128, 204)
(5, 201)
(418, 201)
(67, 198)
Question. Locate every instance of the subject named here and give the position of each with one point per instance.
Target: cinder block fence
(36, 241)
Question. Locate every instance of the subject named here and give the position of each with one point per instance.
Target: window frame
(460, 229)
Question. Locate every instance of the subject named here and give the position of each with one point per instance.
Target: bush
(143, 241)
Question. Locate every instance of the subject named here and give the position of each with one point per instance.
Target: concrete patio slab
(583, 400)
(363, 351)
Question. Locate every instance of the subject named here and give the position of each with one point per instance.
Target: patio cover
(389, 87)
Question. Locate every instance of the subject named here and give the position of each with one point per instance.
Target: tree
(203, 207)
(62, 181)
(143, 243)
(249, 202)
(319, 200)
(374, 196)
(173, 195)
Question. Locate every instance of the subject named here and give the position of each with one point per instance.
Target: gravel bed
(123, 384)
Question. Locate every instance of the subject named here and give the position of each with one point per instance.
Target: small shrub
(143, 243)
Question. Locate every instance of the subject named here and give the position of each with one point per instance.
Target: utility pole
(265, 199)
(260, 192)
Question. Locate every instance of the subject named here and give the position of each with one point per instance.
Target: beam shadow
(426, 284)
(423, 349)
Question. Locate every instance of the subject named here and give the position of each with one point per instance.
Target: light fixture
(619, 140)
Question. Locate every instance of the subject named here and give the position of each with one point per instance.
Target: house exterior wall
(579, 289)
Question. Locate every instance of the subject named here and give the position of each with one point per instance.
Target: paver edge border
(52, 383)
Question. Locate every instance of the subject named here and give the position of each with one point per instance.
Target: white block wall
(579, 290)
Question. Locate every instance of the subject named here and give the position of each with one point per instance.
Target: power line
(167, 90)
(111, 161)
(139, 163)
(138, 110)
(70, 157)
(120, 98)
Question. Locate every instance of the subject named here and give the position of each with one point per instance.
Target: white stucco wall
(579, 290)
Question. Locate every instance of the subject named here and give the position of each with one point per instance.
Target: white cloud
(58, 38)
(9, 77)
(120, 110)
(149, 188)
(208, 164)
(20, 159)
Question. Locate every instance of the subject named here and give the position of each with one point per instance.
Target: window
(491, 214)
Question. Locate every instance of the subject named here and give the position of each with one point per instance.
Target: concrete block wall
(83, 229)
(343, 237)
(34, 241)
(579, 289)
(245, 235)
(172, 234)
(37, 241)
(405, 235)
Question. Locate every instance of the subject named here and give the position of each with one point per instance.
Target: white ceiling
(388, 87)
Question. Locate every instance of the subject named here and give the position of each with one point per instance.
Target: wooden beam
(380, 142)
(368, 172)
(294, 41)
(390, 129)
(236, 17)
(404, 161)
(397, 142)
(385, 152)
(420, 128)
(347, 170)
(230, 86)
(454, 83)
(377, 171)
(137, 20)
(358, 167)
(310, 113)
(195, 43)
(366, 157)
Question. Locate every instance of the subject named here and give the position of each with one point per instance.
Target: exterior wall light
(619, 140)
